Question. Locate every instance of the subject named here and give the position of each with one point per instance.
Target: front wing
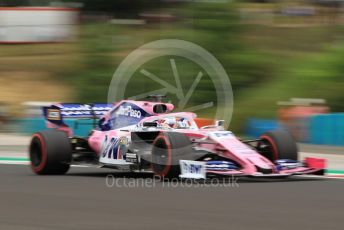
(201, 170)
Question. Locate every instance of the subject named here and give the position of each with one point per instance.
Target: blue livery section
(123, 115)
(111, 149)
(114, 148)
(221, 165)
(283, 164)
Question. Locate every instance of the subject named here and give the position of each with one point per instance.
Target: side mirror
(220, 123)
(160, 108)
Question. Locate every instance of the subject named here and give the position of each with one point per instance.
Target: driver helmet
(182, 123)
(169, 121)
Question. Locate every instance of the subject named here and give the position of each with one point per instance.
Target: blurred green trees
(213, 26)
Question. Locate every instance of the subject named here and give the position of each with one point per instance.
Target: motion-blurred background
(285, 58)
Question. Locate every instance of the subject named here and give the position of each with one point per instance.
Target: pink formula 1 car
(143, 136)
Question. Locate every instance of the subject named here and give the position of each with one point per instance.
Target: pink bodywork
(229, 146)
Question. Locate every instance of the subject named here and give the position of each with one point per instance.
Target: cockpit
(173, 122)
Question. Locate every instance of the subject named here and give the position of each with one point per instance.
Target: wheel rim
(161, 157)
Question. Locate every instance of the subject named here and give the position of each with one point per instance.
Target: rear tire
(279, 145)
(168, 149)
(50, 152)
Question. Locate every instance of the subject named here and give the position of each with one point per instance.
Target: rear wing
(56, 113)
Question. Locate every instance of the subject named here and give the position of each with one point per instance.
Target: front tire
(279, 144)
(168, 149)
(50, 152)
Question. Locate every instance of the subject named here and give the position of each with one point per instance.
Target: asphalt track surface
(82, 200)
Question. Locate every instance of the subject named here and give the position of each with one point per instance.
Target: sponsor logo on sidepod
(114, 148)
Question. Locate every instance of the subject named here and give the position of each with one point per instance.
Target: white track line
(14, 162)
(28, 163)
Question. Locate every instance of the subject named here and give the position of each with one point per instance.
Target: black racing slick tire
(168, 149)
(50, 152)
(279, 144)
